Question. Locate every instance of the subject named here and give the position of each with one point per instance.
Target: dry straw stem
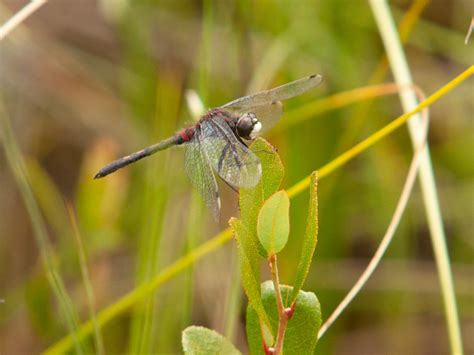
(402, 76)
(215, 243)
(389, 234)
(20, 16)
(195, 104)
(406, 26)
(469, 31)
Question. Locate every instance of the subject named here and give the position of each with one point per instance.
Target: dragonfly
(217, 143)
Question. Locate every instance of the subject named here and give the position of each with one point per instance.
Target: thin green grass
(141, 291)
(205, 50)
(157, 192)
(17, 166)
(195, 218)
(233, 302)
(99, 344)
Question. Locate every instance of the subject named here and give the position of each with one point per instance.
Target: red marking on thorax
(187, 134)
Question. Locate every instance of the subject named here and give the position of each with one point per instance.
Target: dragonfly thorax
(248, 126)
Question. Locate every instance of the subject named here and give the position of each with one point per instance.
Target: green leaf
(249, 271)
(245, 229)
(251, 200)
(273, 225)
(203, 341)
(302, 329)
(272, 167)
(310, 238)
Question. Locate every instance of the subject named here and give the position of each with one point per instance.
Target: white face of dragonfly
(248, 126)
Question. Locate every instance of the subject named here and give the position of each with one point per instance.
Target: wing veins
(229, 170)
(200, 173)
(280, 93)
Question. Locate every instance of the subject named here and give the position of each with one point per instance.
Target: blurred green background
(86, 81)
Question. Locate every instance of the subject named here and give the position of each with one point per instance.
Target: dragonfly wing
(230, 158)
(197, 167)
(268, 114)
(279, 93)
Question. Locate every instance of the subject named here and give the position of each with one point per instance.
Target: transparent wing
(279, 93)
(268, 114)
(197, 167)
(228, 157)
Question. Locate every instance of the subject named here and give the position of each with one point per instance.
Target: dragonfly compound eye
(248, 126)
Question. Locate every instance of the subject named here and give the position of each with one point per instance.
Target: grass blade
(99, 345)
(388, 237)
(17, 165)
(402, 76)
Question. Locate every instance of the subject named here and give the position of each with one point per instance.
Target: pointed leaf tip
(310, 239)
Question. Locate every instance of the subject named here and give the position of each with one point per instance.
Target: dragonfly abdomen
(132, 158)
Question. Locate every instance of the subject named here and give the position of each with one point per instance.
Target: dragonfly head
(248, 126)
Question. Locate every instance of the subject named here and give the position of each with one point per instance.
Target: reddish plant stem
(283, 315)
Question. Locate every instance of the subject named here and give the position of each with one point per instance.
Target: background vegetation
(86, 81)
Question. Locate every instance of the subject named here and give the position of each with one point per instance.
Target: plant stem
(16, 162)
(282, 315)
(471, 27)
(402, 76)
(19, 17)
(389, 234)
